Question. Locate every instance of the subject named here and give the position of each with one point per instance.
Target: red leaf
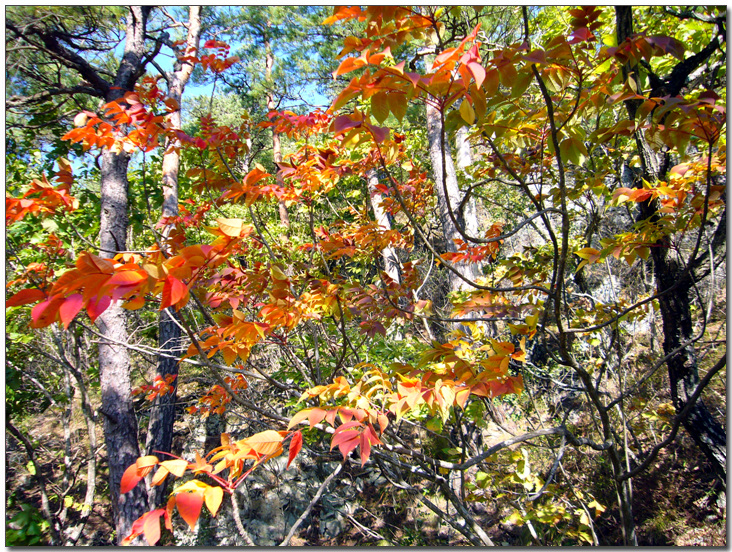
(347, 445)
(365, 448)
(478, 72)
(189, 507)
(580, 35)
(70, 308)
(295, 446)
(536, 56)
(343, 123)
(44, 314)
(97, 306)
(346, 438)
(130, 478)
(24, 297)
(380, 133)
(371, 434)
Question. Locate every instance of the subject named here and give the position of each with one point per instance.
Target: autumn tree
(677, 277)
(551, 296)
(51, 38)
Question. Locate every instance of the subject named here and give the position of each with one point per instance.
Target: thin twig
(237, 519)
(315, 499)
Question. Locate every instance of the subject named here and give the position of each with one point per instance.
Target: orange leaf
(303, 415)
(149, 524)
(88, 262)
(265, 443)
(231, 227)
(151, 528)
(130, 478)
(127, 278)
(173, 292)
(316, 416)
(137, 302)
(159, 476)
(383, 422)
(189, 507)
(348, 65)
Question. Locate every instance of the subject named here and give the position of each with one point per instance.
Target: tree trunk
(449, 196)
(392, 265)
(276, 148)
(162, 412)
(388, 254)
(709, 435)
(120, 422)
(464, 155)
(683, 371)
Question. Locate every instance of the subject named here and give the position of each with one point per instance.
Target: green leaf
(434, 424)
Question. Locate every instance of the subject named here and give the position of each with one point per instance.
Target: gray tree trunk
(449, 196)
(388, 254)
(271, 105)
(120, 421)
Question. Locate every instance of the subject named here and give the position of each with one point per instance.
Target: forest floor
(677, 502)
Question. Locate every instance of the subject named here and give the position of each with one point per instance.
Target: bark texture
(388, 254)
(120, 421)
(675, 305)
(449, 197)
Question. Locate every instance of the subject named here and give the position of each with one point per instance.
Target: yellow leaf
(380, 106)
(277, 273)
(192, 486)
(397, 104)
(589, 253)
(229, 355)
(265, 443)
(213, 497)
(176, 467)
(159, 476)
(146, 462)
(80, 119)
(230, 227)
